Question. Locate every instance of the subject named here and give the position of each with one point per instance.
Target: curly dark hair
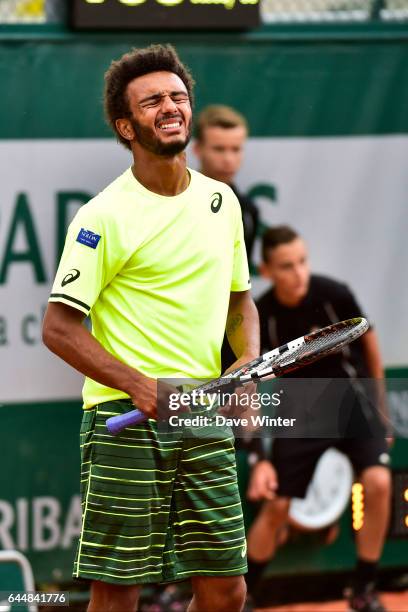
(136, 63)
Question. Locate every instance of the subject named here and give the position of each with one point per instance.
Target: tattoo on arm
(234, 323)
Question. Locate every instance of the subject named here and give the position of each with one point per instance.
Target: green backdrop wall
(279, 82)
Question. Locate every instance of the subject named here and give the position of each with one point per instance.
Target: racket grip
(115, 424)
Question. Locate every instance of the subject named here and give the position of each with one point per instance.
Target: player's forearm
(72, 342)
(243, 325)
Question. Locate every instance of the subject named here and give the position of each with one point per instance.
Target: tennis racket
(279, 361)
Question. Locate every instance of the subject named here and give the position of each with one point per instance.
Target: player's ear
(125, 129)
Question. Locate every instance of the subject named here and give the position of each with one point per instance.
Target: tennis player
(299, 302)
(158, 261)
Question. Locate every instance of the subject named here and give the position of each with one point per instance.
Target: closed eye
(179, 97)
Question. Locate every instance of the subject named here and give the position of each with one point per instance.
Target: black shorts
(295, 459)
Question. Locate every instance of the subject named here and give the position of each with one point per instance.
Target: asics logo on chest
(216, 202)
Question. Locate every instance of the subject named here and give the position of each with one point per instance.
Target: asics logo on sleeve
(216, 202)
(70, 277)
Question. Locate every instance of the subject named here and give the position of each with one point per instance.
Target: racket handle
(115, 424)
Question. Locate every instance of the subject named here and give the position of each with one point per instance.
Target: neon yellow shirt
(155, 274)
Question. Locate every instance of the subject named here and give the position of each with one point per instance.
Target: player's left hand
(239, 363)
(240, 405)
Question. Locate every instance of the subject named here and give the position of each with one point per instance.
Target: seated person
(297, 303)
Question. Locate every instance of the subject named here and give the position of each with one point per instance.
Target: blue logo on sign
(88, 238)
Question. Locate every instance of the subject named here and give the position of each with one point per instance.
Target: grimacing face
(289, 270)
(220, 151)
(161, 114)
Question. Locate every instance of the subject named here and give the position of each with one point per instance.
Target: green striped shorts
(156, 507)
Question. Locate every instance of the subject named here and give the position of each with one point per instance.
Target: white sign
(39, 524)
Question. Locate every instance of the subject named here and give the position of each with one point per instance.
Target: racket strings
(318, 343)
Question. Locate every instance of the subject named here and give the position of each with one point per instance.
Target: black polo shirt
(327, 301)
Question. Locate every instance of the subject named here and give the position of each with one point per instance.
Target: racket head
(309, 348)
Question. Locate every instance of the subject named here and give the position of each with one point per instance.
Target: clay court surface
(394, 602)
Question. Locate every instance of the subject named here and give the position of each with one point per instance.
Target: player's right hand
(263, 482)
(152, 397)
(144, 396)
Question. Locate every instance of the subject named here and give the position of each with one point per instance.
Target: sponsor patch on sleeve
(88, 238)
